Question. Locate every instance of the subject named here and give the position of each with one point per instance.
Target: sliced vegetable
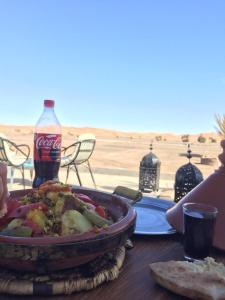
(38, 217)
(94, 218)
(15, 223)
(101, 211)
(54, 196)
(59, 205)
(71, 203)
(68, 202)
(73, 221)
(86, 199)
(23, 210)
(22, 231)
(36, 230)
(88, 206)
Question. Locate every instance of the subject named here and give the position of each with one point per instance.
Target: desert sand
(117, 156)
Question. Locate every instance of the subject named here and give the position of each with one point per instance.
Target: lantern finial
(151, 146)
(189, 155)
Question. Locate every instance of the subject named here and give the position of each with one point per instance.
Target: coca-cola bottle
(47, 145)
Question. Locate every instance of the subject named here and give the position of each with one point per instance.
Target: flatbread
(199, 280)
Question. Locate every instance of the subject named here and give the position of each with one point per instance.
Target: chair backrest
(86, 136)
(86, 147)
(70, 154)
(4, 148)
(11, 153)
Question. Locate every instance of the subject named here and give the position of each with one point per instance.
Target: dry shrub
(212, 140)
(70, 133)
(201, 139)
(158, 138)
(185, 138)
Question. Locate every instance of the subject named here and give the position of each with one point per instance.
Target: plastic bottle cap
(49, 103)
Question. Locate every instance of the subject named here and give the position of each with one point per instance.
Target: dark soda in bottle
(47, 145)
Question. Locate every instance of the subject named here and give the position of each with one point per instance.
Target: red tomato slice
(101, 211)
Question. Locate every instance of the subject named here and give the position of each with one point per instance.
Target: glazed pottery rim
(110, 231)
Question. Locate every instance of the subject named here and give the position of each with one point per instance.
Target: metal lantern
(149, 172)
(187, 177)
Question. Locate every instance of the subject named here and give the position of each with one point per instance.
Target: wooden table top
(134, 281)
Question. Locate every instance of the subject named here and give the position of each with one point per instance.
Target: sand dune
(118, 154)
(15, 131)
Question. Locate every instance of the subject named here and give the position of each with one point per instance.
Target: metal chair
(68, 157)
(84, 151)
(15, 156)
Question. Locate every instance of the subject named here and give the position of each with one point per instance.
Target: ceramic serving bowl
(43, 254)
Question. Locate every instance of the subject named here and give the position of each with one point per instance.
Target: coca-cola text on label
(47, 147)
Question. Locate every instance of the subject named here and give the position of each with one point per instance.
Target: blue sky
(130, 65)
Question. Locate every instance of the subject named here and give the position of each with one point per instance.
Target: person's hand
(3, 189)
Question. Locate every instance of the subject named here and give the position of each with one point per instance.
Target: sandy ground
(117, 156)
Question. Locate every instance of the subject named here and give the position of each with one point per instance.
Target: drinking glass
(199, 223)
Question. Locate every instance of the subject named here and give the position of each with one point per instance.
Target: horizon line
(111, 129)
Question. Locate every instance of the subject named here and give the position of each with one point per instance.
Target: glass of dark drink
(199, 223)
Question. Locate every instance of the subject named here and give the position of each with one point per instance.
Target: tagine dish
(57, 227)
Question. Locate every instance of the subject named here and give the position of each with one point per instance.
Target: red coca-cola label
(47, 147)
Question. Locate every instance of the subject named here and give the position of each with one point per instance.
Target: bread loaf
(197, 280)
